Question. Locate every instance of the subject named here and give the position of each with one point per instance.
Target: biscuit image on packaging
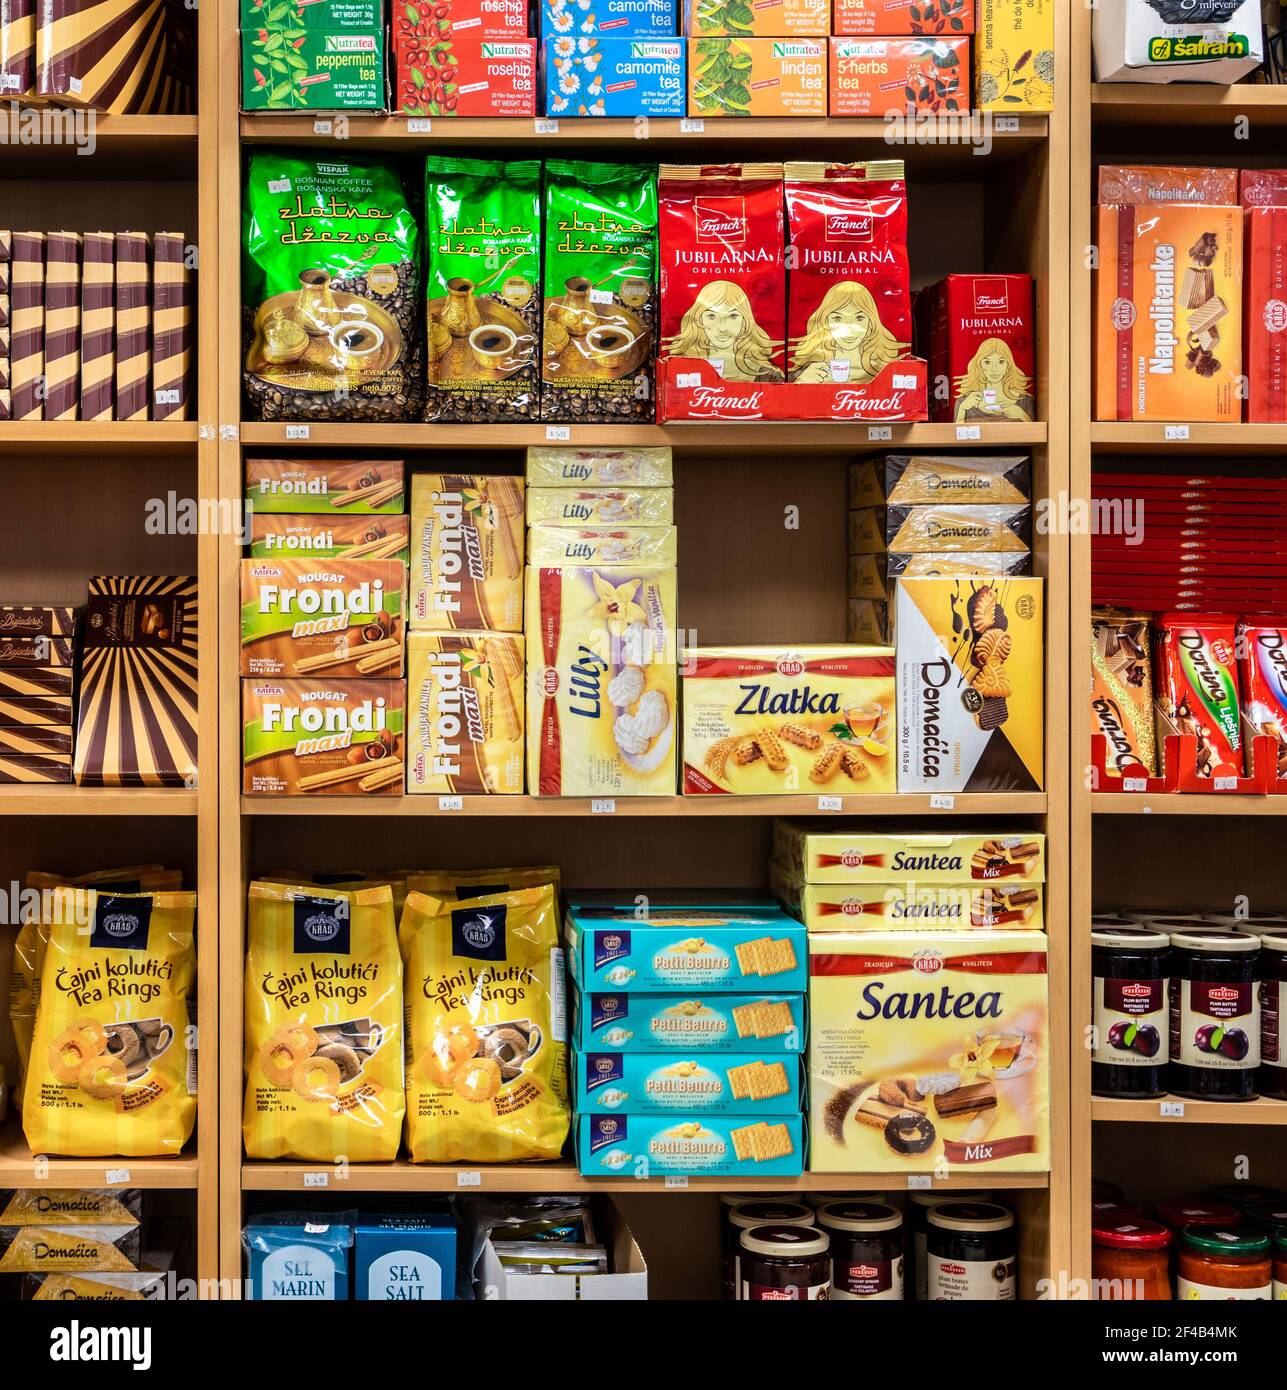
(773, 957)
(744, 1140)
(768, 1080)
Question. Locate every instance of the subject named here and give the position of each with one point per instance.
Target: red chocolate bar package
(1197, 687)
(1262, 667)
(981, 348)
(723, 268)
(1264, 254)
(849, 310)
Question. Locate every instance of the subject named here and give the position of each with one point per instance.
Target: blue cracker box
(651, 1083)
(612, 950)
(298, 1258)
(709, 1022)
(614, 77)
(653, 19)
(405, 1259)
(653, 1146)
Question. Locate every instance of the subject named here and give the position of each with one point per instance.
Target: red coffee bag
(723, 268)
(849, 291)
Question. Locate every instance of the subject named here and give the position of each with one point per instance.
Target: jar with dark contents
(1131, 1036)
(1267, 1217)
(1214, 1015)
(784, 1264)
(1271, 1080)
(972, 1253)
(1244, 1195)
(916, 1236)
(866, 1249)
(742, 1216)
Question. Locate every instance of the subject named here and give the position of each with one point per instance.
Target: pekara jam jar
(1214, 1014)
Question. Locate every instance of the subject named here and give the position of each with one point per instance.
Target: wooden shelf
(965, 804)
(1196, 1112)
(706, 437)
(1146, 437)
(402, 1176)
(1186, 804)
(94, 437)
(17, 1168)
(68, 800)
(115, 146)
(1149, 104)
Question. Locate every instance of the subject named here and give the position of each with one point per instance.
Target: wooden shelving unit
(19, 1168)
(1195, 1112)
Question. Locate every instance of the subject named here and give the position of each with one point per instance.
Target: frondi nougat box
(1171, 41)
(345, 537)
(326, 487)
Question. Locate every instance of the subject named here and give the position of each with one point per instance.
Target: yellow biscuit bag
(113, 1058)
(323, 1012)
(479, 883)
(486, 1031)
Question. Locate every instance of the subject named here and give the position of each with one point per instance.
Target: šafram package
(929, 1047)
(323, 1011)
(486, 1030)
(113, 1063)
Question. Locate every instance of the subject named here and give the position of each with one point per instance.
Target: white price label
(451, 803)
(904, 383)
(676, 1181)
(831, 803)
(1172, 1109)
(279, 185)
(686, 379)
(919, 1182)
(297, 431)
(316, 1228)
(1135, 784)
(10, 82)
(603, 806)
(1005, 125)
(1175, 432)
(967, 432)
(942, 802)
(419, 125)
(689, 126)
(545, 127)
(1225, 784)
(558, 433)
(323, 127)
(317, 1180)
(600, 296)
(473, 1178)
(230, 433)
(116, 1175)
(169, 395)
(205, 431)
(879, 432)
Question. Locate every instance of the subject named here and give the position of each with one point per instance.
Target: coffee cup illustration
(138, 1044)
(493, 345)
(356, 340)
(608, 342)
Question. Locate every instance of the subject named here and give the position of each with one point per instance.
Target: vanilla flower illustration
(476, 504)
(472, 661)
(616, 605)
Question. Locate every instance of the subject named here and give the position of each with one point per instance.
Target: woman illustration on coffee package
(846, 326)
(993, 387)
(720, 326)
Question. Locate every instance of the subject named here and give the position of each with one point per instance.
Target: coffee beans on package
(483, 285)
(600, 291)
(332, 291)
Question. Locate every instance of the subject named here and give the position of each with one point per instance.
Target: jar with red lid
(1182, 1212)
(1218, 1264)
(1271, 1080)
(1129, 966)
(784, 1264)
(1214, 1015)
(1129, 1259)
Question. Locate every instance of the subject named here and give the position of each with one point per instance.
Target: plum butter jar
(1214, 1015)
(1132, 1033)
(1272, 1078)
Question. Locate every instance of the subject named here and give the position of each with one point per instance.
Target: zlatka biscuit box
(817, 855)
(706, 1145)
(707, 1022)
(1196, 685)
(776, 721)
(643, 1083)
(971, 684)
(929, 1049)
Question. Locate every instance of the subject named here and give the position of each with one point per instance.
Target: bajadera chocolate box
(62, 326)
(1263, 193)
(982, 349)
(121, 57)
(133, 325)
(171, 328)
(6, 397)
(17, 48)
(934, 18)
(27, 325)
(723, 268)
(97, 326)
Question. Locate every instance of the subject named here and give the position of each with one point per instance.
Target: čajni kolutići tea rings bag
(483, 288)
(600, 291)
(331, 281)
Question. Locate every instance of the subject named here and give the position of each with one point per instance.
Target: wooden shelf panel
(1196, 1112)
(708, 437)
(1146, 437)
(1186, 804)
(114, 146)
(402, 1176)
(965, 804)
(71, 800)
(95, 437)
(18, 1168)
(1185, 104)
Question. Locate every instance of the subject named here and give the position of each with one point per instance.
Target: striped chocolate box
(97, 326)
(133, 325)
(27, 325)
(171, 328)
(62, 325)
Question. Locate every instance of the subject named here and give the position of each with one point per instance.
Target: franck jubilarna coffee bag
(600, 291)
(331, 278)
(483, 284)
(849, 307)
(723, 268)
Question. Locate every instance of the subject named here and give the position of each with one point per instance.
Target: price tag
(322, 127)
(879, 432)
(1006, 125)
(942, 802)
(230, 433)
(1225, 784)
(473, 1178)
(558, 432)
(676, 1181)
(545, 127)
(297, 431)
(600, 296)
(279, 185)
(919, 1182)
(316, 1228)
(831, 803)
(1175, 432)
(688, 126)
(451, 803)
(317, 1180)
(205, 431)
(1172, 1109)
(419, 125)
(116, 1175)
(686, 379)
(603, 806)
(170, 395)
(1134, 784)
(967, 432)
(904, 383)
